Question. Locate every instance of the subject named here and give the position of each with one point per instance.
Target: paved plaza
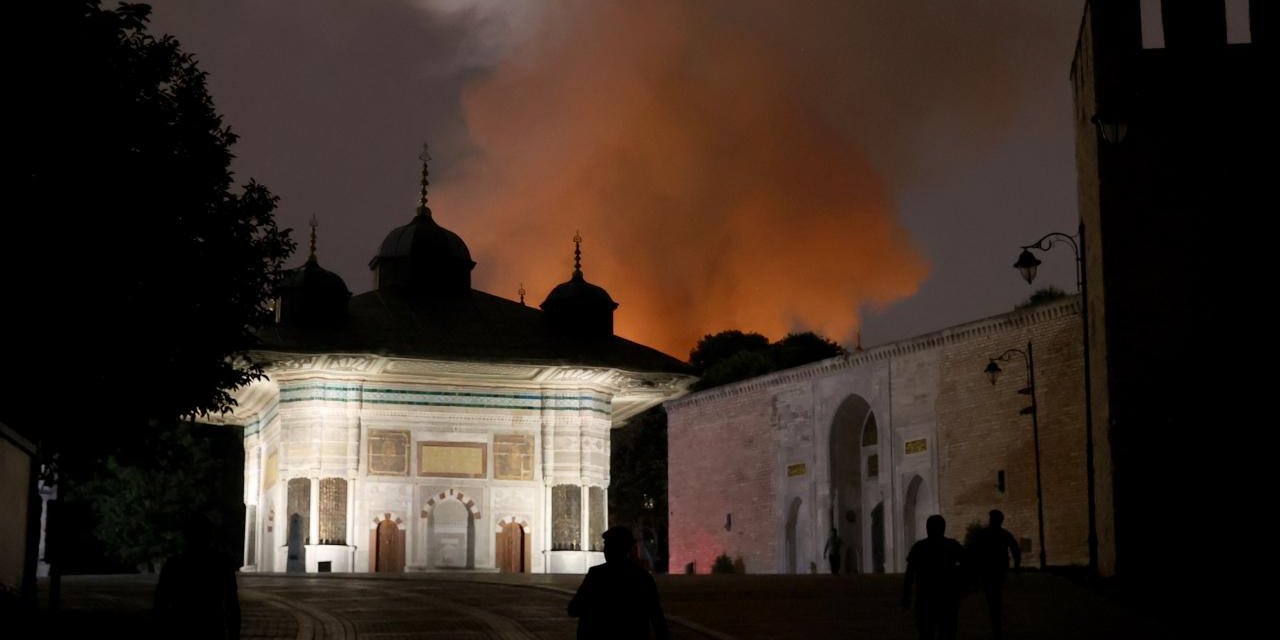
(463, 606)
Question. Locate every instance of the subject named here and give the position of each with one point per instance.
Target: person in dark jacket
(618, 599)
(992, 549)
(934, 566)
(196, 596)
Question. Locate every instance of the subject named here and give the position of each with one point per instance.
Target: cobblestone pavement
(464, 606)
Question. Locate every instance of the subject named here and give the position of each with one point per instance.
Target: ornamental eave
(626, 385)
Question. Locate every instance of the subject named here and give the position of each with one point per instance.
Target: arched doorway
(915, 511)
(388, 547)
(298, 524)
(297, 559)
(513, 549)
(451, 536)
(793, 515)
(845, 455)
(877, 538)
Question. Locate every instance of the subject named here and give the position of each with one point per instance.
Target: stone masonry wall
(982, 432)
(720, 461)
(726, 456)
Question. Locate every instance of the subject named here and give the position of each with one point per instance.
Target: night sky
(766, 166)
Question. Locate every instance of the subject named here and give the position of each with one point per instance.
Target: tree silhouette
(730, 356)
(139, 271)
(1041, 296)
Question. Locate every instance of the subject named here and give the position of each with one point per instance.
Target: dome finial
(425, 157)
(521, 291)
(577, 254)
(314, 224)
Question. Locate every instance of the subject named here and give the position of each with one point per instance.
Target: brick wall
(720, 461)
(982, 432)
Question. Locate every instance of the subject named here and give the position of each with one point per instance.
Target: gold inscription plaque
(452, 459)
(917, 446)
(513, 457)
(795, 470)
(271, 473)
(388, 453)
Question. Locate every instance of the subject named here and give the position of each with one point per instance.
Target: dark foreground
(515, 607)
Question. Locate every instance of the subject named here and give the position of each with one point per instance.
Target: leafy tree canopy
(802, 348)
(1042, 296)
(712, 349)
(730, 356)
(139, 271)
(181, 487)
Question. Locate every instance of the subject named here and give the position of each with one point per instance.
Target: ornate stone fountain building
(426, 425)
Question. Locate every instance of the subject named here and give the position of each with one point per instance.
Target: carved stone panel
(595, 504)
(452, 459)
(513, 457)
(272, 471)
(388, 453)
(566, 517)
(333, 511)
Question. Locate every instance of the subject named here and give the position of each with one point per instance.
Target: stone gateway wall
(873, 443)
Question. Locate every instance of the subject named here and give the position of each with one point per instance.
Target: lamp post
(993, 373)
(1026, 265)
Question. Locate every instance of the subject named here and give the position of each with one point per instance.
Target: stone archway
(877, 538)
(915, 510)
(451, 530)
(793, 515)
(845, 455)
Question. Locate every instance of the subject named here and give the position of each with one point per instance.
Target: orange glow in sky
(712, 190)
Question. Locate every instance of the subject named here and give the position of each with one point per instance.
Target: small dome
(578, 292)
(311, 295)
(423, 256)
(577, 307)
(423, 237)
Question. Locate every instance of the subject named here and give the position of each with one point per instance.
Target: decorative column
(584, 534)
(314, 522)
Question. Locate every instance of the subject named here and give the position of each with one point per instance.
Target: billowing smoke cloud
(715, 185)
(735, 164)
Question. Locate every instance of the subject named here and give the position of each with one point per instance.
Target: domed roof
(577, 291)
(311, 295)
(578, 307)
(313, 279)
(423, 239)
(424, 258)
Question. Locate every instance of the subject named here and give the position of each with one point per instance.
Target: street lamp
(1026, 265)
(993, 374)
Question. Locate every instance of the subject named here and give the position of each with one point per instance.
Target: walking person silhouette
(992, 548)
(618, 599)
(934, 567)
(832, 550)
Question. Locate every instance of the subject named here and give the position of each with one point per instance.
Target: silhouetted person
(196, 596)
(832, 551)
(618, 599)
(934, 566)
(992, 548)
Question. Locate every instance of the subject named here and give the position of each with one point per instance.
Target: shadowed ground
(503, 606)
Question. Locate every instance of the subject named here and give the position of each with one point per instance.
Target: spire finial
(858, 344)
(425, 157)
(314, 224)
(577, 254)
(521, 291)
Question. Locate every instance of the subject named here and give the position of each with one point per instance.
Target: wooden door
(389, 548)
(511, 549)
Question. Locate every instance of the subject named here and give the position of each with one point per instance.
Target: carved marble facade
(361, 464)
